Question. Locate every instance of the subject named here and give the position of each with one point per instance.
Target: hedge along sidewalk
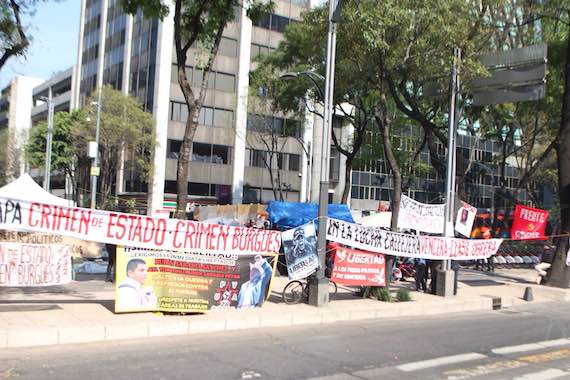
(82, 312)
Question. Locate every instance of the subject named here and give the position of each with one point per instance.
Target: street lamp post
(318, 284)
(95, 167)
(47, 168)
(444, 285)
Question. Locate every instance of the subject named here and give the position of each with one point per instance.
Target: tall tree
(10, 156)
(196, 23)
(66, 154)
(14, 39)
(124, 126)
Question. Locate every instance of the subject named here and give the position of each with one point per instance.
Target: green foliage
(383, 294)
(403, 295)
(65, 147)
(124, 127)
(14, 38)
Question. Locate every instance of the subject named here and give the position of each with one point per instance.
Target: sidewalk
(82, 311)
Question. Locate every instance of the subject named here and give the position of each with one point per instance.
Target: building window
(208, 116)
(173, 149)
(228, 47)
(294, 162)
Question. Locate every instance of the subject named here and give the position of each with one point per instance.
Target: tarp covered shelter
(293, 214)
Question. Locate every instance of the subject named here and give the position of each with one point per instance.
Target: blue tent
(288, 215)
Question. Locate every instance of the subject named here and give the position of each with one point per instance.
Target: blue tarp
(292, 214)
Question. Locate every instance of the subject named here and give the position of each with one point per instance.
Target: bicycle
(297, 290)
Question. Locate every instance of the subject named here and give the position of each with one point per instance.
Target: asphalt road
(365, 350)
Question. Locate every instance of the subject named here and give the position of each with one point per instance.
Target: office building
(15, 122)
(135, 55)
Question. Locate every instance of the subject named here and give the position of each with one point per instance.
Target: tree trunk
(347, 182)
(559, 275)
(182, 172)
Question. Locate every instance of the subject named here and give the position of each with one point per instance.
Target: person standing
(421, 278)
(455, 267)
(112, 252)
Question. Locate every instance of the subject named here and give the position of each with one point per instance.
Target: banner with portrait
(376, 239)
(173, 281)
(528, 223)
(34, 264)
(419, 216)
(359, 268)
(300, 246)
(465, 219)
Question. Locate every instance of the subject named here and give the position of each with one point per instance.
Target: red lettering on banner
(46, 211)
(32, 213)
(190, 235)
(178, 228)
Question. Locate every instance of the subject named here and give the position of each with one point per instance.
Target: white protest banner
(134, 230)
(465, 218)
(300, 246)
(425, 247)
(34, 264)
(420, 216)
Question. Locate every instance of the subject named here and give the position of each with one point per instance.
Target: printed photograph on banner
(465, 219)
(300, 246)
(26, 265)
(529, 223)
(157, 280)
(359, 268)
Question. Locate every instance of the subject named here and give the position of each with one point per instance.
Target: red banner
(528, 223)
(354, 267)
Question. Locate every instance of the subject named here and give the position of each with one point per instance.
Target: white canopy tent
(26, 189)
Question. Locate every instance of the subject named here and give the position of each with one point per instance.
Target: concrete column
(102, 38)
(76, 75)
(160, 110)
(240, 122)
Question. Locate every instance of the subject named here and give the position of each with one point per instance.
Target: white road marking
(544, 375)
(444, 360)
(531, 346)
(250, 375)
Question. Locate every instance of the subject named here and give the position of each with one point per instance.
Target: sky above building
(54, 28)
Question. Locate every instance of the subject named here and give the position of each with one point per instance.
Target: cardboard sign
(529, 223)
(360, 268)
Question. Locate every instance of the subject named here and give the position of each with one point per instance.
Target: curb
(228, 321)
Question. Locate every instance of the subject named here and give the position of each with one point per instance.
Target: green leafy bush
(403, 295)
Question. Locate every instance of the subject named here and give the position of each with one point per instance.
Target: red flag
(529, 223)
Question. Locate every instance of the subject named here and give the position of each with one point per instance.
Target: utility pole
(319, 284)
(95, 168)
(47, 168)
(445, 276)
